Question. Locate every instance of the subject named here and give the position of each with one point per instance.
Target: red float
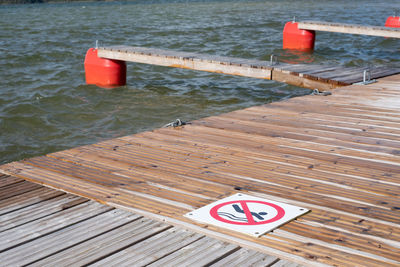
(294, 38)
(106, 73)
(393, 22)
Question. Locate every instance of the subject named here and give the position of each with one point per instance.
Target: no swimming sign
(247, 214)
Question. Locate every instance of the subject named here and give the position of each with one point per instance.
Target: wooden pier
(40, 226)
(337, 155)
(349, 28)
(304, 75)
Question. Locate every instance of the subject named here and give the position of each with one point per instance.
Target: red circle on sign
(249, 216)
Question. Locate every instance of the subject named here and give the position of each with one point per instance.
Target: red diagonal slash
(247, 212)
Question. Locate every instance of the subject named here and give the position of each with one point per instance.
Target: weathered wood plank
(34, 229)
(7, 180)
(198, 253)
(284, 263)
(152, 249)
(387, 249)
(64, 238)
(39, 210)
(349, 28)
(106, 244)
(10, 190)
(246, 257)
(262, 168)
(275, 164)
(244, 184)
(225, 65)
(27, 199)
(242, 140)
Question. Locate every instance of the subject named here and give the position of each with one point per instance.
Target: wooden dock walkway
(337, 155)
(349, 28)
(40, 226)
(304, 75)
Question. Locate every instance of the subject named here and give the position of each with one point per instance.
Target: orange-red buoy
(393, 22)
(294, 38)
(103, 72)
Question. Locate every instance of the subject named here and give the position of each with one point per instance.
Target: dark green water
(45, 105)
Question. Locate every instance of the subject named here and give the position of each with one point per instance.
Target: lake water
(45, 105)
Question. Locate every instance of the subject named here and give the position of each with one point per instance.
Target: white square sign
(247, 214)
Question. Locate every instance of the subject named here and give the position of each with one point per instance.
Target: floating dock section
(304, 75)
(335, 155)
(349, 28)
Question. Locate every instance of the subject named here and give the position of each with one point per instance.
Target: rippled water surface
(45, 105)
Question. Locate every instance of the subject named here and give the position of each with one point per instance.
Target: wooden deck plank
(283, 263)
(46, 225)
(38, 210)
(218, 144)
(275, 167)
(389, 250)
(152, 249)
(349, 28)
(56, 242)
(318, 121)
(105, 244)
(247, 186)
(296, 171)
(242, 140)
(245, 257)
(66, 169)
(7, 180)
(198, 253)
(306, 135)
(262, 168)
(27, 199)
(99, 193)
(10, 190)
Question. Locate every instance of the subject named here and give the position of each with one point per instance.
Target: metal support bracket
(273, 60)
(366, 78)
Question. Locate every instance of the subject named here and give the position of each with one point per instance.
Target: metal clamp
(273, 60)
(323, 93)
(366, 78)
(176, 123)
